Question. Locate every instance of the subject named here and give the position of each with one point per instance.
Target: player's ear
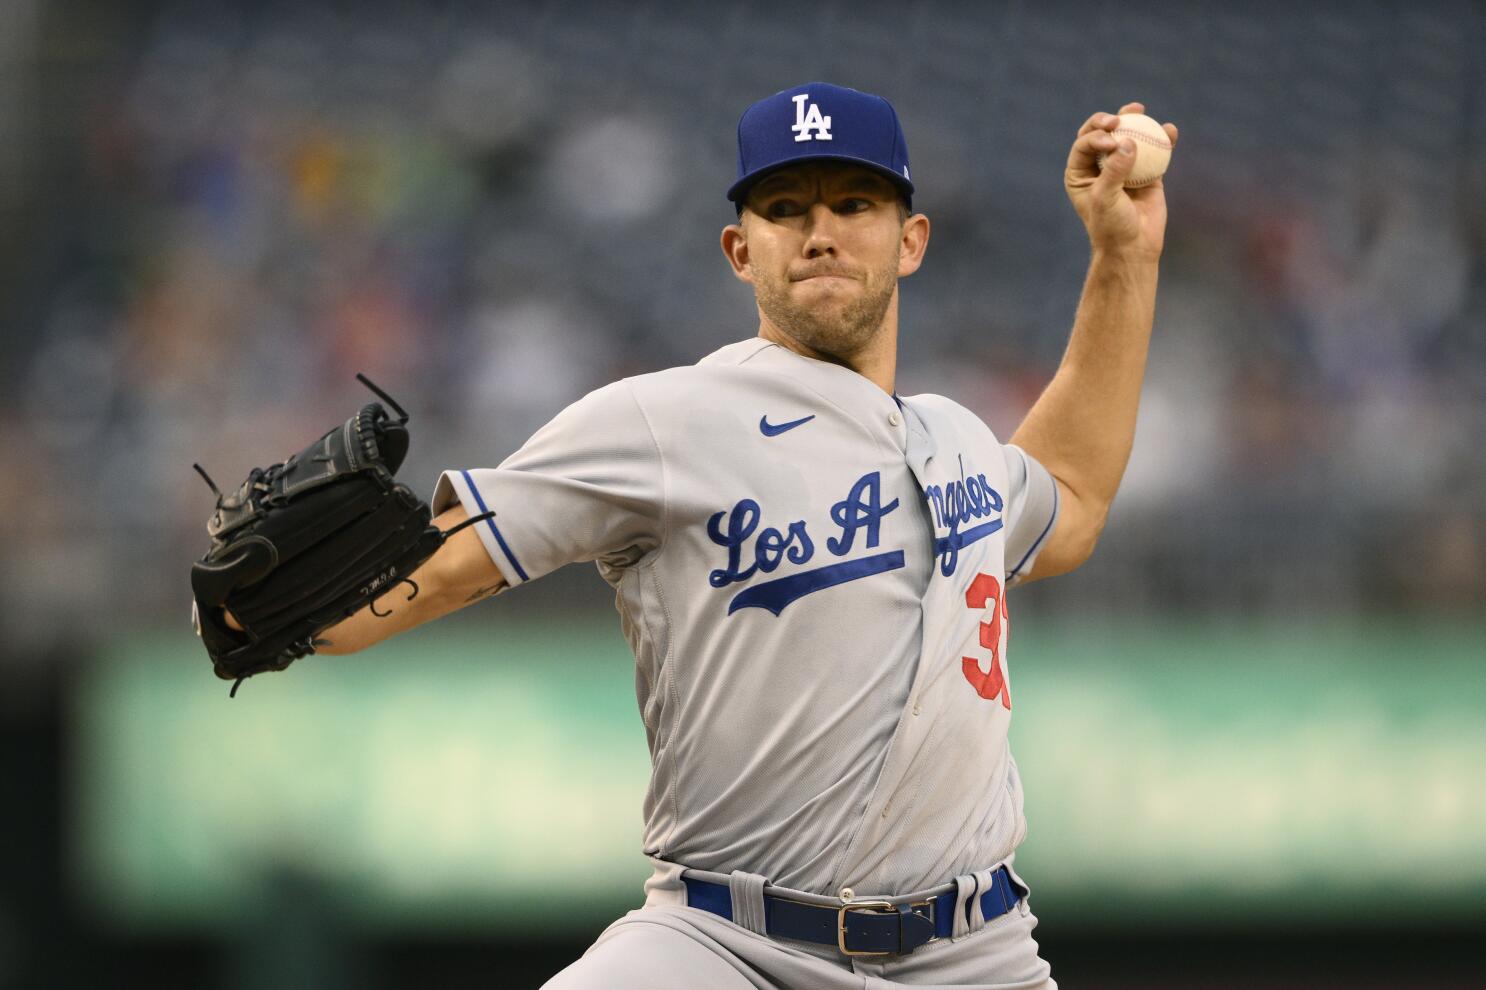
(913, 243)
(735, 247)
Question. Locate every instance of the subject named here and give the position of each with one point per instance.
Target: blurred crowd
(221, 212)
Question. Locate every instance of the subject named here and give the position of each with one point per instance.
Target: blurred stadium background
(1252, 726)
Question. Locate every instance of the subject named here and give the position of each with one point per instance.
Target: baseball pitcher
(812, 571)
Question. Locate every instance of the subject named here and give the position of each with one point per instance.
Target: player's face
(823, 245)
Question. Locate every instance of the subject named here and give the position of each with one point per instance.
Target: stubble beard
(830, 328)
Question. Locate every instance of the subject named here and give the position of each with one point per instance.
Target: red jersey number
(986, 590)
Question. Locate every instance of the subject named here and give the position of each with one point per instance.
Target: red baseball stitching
(1163, 143)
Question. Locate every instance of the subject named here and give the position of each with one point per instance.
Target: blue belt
(860, 928)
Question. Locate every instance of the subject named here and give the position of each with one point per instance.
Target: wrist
(1134, 261)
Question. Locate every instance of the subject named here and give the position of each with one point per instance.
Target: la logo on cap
(810, 120)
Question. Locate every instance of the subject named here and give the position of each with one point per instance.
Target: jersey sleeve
(1032, 510)
(587, 486)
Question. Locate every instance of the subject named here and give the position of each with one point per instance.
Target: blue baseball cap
(815, 122)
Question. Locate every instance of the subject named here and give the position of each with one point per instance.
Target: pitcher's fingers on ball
(1083, 157)
(1097, 143)
(1100, 121)
(1133, 108)
(1171, 132)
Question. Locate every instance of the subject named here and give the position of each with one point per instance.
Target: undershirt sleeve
(587, 486)
(1032, 511)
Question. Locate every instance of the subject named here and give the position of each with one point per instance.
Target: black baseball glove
(306, 542)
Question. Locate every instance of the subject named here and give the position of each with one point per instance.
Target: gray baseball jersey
(812, 574)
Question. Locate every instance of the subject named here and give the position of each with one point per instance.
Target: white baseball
(1152, 148)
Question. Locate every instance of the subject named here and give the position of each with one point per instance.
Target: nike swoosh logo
(769, 430)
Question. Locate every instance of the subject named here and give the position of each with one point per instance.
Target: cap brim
(739, 190)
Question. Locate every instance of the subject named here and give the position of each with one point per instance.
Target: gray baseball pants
(666, 947)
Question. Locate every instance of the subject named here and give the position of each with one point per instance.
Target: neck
(876, 360)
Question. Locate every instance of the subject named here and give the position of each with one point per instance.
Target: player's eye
(783, 208)
(854, 205)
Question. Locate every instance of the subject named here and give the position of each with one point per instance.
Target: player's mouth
(825, 276)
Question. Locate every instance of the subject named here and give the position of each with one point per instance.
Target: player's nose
(820, 230)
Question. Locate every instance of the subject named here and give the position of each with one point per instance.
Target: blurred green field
(1199, 774)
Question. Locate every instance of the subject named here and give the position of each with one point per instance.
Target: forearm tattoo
(482, 593)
